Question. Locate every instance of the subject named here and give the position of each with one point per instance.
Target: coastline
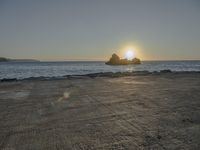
(103, 74)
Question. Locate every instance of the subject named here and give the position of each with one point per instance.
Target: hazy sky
(94, 29)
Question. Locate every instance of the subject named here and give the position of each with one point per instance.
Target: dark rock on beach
(166, 71)
(8, 80)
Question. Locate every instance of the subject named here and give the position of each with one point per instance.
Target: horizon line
(93, 60)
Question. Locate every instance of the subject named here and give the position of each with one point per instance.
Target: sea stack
(115, 60)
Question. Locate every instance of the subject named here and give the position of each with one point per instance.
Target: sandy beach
(148, 111)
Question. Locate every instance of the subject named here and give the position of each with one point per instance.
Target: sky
(94, 29)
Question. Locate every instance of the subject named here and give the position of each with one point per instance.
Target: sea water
(21, 70)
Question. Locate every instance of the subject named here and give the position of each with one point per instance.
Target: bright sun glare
(130, 54)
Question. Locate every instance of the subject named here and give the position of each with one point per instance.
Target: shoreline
(101, 74)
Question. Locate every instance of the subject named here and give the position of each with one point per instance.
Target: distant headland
(3, 59)
(115, 60)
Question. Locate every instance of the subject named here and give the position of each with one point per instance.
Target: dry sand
(160, 111)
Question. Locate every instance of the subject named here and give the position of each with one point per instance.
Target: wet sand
(149, 111)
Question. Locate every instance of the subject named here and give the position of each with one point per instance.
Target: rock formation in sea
(115, 60)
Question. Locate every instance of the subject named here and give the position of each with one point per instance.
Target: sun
(130, 54)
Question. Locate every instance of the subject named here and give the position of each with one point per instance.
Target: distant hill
(3, 59)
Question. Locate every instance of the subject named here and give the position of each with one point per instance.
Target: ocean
(21, 70)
